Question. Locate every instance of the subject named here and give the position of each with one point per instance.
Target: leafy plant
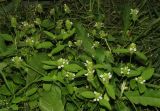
(57, 64)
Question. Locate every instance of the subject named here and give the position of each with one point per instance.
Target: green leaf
(86, 41)
(14, 107)
(49, 34)
(50, 63)
(151, 98)
(103, 66)
(72, 67)
(105, 103)
(44, 45)
(57, 49)
(13, 22)
(110, 90)
(6, 37)
(17, 100)
(81, 73)
(87, 94)
(47, 67)
(31, 91)
(120, 106)
(47, 87)
(147, 73)
(123, 51)
(136, 72)
(100, 55)
(133, 83)
(141, 56)
(141, 88)
(51, 101)
(3, 65)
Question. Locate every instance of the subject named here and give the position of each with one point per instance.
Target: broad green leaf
(31, 91)
(103, 66)
(6, 37)
(147, 73)
(51, 101)
(17, 100)
(47, 87)
(110, 90)
(119, 51)
(70, 107)
(72, 67)
(141, 88)
(4, 90)
(57, 49)
(151, 98)
(120, 106)
(87, 94)
(50, 62)
(47, 67)
(105, 104)
(3, 65)
(47, 24)
(133, 83)
(136, 72)
(49, 34)
(141, 56)
(86, 41)
(81, 73)
(14, 107)
(100, 55)
(44, 45)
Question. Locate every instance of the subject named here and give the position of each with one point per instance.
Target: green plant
(56, 64)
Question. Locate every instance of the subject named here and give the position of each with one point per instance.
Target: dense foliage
(58, 58)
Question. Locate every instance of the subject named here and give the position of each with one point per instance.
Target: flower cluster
(98, 25)
(140, 80)
(30, 41)
(132, 47)
(62, 62)
(134, 14)
(98, 96)
(37, 21)
(106, 76)
(70, 75)
(90, 69)
(39, 8)
(66, 8)
(70, 44)
(103, 34)
(125, 70)
(68, 24)
(78, 43)
(96, 44)
(26, 24)
(17, 61)
(134, 11)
